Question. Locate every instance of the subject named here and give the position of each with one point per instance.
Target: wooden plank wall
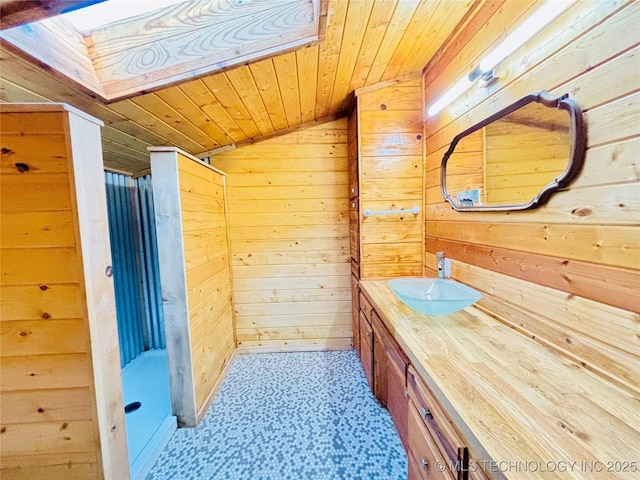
(567, 273)
(391, 178)
(49, 427)
(513, 174)
(206, 257)
(466, 166)
(289, 232)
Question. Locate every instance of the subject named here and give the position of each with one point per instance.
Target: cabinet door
(426, 460)
(444, 433)
(398, 400)
(366, 349)
(379, 366)
(355, 312)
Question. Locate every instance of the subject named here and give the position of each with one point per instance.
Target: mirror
(516, 158)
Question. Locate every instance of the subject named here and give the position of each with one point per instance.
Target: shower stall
(141, 333)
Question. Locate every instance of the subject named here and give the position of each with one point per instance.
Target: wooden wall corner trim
(229, 263)
(168, 218)
(92, 230)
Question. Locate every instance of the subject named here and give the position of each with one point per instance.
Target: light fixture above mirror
(544, 15)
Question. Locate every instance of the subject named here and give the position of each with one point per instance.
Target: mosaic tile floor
(307, 415)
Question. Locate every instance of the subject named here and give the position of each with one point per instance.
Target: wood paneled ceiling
(366, 42)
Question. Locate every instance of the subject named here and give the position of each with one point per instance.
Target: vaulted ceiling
(361, 43)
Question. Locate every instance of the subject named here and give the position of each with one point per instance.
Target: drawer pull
(368, 334)
(406, 394)
(424, 463)
(425, 413)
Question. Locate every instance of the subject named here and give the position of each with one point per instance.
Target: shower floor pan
(149, 423)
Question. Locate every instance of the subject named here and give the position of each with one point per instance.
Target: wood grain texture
(288, 231)
(92, 227)
(363, 44)
(390, 177)
(196, 38)
(191, 217)
(583, 242)
(495, 383)
(168, 219)
(50, 413)
(59, 45)
(564, 275)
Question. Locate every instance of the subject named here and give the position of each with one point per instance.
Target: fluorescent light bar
(450, 95)
(532, 25)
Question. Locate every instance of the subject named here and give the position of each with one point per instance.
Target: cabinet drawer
(434, 417)
(444, 433)
(365, 306)
(426, 461)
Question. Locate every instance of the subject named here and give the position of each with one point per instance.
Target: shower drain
(132, 407)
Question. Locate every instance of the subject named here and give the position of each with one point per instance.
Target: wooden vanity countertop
(526, 411)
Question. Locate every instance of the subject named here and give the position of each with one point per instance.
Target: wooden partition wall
(289, 231)
(567, 273)
(193, 251)
(62, 414)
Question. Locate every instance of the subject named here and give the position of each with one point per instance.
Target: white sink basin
(434, 296)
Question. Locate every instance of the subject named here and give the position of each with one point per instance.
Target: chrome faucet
(440, 257)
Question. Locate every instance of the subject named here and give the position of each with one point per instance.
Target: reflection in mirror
(516, 158)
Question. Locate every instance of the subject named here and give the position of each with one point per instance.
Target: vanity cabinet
(423, 454)
(372, 353)
(385, 366)
(366, 339)
(390, 366)
(435, 448)
(432, 437)
(397, 394)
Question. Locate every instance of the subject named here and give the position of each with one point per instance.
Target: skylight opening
(123, 48)
(111, 11)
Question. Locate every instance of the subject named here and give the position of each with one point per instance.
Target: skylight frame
(266, 28)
